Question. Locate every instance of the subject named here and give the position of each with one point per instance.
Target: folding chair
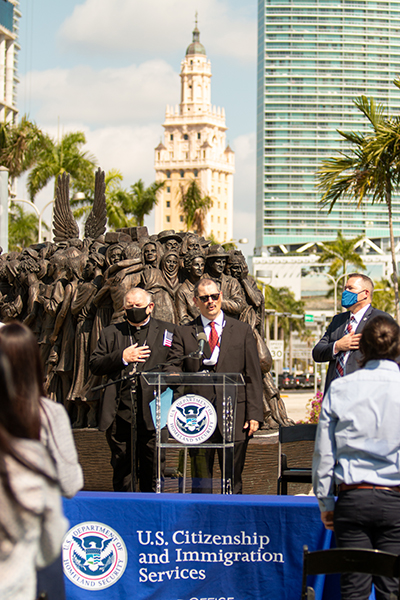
(295, 433)
(348, 560)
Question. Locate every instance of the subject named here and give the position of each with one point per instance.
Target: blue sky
(110, 67)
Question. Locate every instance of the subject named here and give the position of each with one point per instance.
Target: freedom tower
(314, 58)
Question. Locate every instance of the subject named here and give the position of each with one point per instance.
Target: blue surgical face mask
(349, 298)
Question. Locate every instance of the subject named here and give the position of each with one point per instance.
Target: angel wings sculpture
(65, 226)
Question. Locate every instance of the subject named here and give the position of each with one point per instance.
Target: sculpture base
(259, 475)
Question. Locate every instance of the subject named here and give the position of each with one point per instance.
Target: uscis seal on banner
(192, 419)
(94, 555)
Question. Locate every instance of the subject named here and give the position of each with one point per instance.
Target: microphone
(201, 340)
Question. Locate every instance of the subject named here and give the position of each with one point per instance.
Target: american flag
(168, 335)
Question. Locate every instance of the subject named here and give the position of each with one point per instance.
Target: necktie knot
(351, 324)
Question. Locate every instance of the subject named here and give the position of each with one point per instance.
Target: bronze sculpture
(233, 298)
(194, 266)
(69, 290)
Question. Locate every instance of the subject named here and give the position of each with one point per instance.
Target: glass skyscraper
(314, 58)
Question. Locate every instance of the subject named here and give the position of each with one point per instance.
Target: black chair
(348, 560)
(295, 433)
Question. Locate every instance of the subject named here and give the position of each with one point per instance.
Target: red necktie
(341, 357)
(213, 339)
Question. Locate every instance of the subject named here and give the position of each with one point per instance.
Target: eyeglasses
(214, 297)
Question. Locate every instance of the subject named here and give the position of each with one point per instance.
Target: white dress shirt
(219, 327)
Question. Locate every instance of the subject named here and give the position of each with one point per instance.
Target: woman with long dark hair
(44, 420)
(32, 524)
(358, 448)
(48, 421)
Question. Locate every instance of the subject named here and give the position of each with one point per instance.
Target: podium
(208, 385)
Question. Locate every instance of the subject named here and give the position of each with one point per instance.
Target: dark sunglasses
(204, 299)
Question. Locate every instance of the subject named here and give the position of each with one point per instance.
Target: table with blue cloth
(186, 547)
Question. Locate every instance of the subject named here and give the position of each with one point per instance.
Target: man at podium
(230, 348)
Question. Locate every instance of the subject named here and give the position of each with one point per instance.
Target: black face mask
(136, 315)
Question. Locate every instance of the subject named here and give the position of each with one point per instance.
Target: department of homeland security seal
(94, 555)
(192, 419)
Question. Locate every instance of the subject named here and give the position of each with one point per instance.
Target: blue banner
(188, 547)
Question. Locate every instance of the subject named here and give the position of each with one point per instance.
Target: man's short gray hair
(135, 290)
(367, 281)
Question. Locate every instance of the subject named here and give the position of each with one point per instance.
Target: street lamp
(39, 213)
(335, 284)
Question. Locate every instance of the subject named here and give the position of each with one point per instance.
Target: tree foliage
(194, 207)
(283, 300)
(341, 254)
(369, 170)
(383, 297)
(56, 157)
(19, 145)
(144, 199)
(22, 228)
(124, 208)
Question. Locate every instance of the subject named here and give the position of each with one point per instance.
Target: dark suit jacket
(323, 351)
(238, 354)
(107, 360)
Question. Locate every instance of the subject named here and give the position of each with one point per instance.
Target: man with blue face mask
(340, 343)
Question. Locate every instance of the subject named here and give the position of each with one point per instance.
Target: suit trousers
(119, 440)
(368, 519)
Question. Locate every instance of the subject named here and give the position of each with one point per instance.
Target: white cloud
(114, 96)
(115, 26)
(129, 149)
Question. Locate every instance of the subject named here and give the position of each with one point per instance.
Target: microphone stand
(133, 393)
(133, 377)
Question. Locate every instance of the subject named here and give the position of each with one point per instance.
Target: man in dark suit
(231, 348)
(137, 344)
(340, 343)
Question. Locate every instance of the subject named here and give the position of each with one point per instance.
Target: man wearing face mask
(340, 343)
(137, 344)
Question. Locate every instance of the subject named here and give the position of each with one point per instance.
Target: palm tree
(118, 200)
(383, 297)
(194, 207)
(283, 300)
(124, 209)
(55, 158)
(22, 228)
(143, 199)
(370, 169)
(19, 145)
(341, 253)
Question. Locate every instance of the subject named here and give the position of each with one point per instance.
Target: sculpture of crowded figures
(254, 314)
(68, 290)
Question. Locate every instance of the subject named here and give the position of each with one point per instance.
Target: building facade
(314, 58)
(9, 48)
(195, 147)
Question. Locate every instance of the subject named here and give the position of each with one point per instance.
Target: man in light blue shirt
(358, 447)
